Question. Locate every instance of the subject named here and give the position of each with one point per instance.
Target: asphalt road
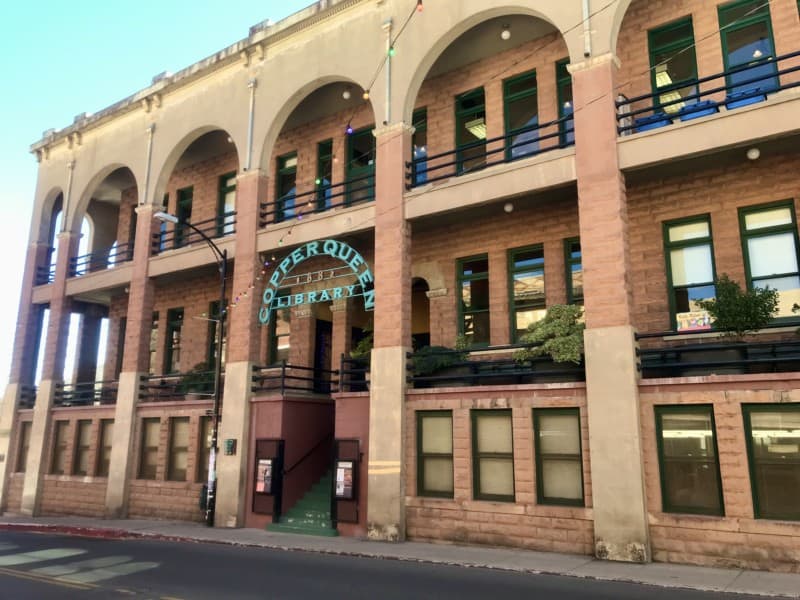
(44, 567)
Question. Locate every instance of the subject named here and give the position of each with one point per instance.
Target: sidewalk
(659, 574)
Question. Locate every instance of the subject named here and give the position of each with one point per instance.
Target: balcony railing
(27, 396)
(468, 158)
(100, 260)
(45, 274)
(86, 394)
(283, 377)
(181, 235)
(739, 86)
(324, 197)
(354, 374)
(686, 357)
(197, 385)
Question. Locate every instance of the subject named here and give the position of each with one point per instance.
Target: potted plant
(198, 381)
(559, 336)
(429, 361)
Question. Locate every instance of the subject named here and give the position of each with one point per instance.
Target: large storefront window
(473, 313)
(672, 63)
(492, 455)
(435, 453)
(559, 462)
(688, 460)
(773, 445)
(690, 271)
(526, 288)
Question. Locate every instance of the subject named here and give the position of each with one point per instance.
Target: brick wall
(737, 539)
(523, 523)
(14, 492)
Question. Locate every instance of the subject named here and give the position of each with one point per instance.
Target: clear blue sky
(59, 59)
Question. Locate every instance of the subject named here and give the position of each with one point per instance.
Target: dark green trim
(183, 210)
(142, 436)
(704, 409)
(668, 246)
(509, 97)
(511, 272)
(421, 455)
(282, 171)
(174, 322)
(462, 116)
(460, 279)
(678, 45)
(540, 497)
(569, 262)
(761, 15)
(324, 156)
(747, 411)
(352, 172)
(564, 83)
(224, 189)
(419, 121)
(273, 337)
(475, 414)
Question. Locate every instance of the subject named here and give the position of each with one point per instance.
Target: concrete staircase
(311, 515)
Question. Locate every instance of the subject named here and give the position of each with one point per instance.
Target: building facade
(388, 180)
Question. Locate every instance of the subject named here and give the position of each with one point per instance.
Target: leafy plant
(198, 380)
(430, 359)
(737, 312)
(558, 335)
(364, 346)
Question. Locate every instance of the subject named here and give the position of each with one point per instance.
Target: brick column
(618, 491)
(392, 269)
(135, 363)
(243, 335)
(440, 305)
(52, 374)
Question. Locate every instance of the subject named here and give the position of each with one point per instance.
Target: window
(522, 115)
(279, 335)
(746, 33)
(123, 326)
(470, 131)
(573, 262)
(473, 307)
(286, 189)
(172, 355)
(772, 432)
(324, 174)
(419, 145)
(162, 228)
(526, 288)
(204, 450)
(213, 323)
(492, 455)
(673, 65)
(435, 453)
(688, 460)
(23, 445)
(80, 462)
(769, 245)
(690, 271)
(104, 450)
(153, 344)
(559, 462)
(148, 454)
(566, 128)
(226, 205)
(360, 166)
(58, 461)
(178, 448)
(184, 214)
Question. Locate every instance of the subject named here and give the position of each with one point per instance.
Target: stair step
(302, 529)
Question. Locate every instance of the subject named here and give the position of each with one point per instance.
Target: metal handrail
(100, 259)
(287, 379)
(213, 228)
(353, 373)
(45, 274)
(86, 393)
(328, 437)
(27, 396)
(165, 388)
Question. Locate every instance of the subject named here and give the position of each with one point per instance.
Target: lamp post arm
(220, 256)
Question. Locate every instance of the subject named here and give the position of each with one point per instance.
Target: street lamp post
(222, 260)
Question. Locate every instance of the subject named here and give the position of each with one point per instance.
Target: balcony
(285, 379)
(100, 260)
(195, 385)
(45, 274)
(90, 393)
(180, 236)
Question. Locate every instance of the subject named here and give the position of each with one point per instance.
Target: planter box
(654, 121)
(698, 109)
(744, 98)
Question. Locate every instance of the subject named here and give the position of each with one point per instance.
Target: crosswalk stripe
(69, 568)
(45, 579)
(110, 572)
(25, 558)
(4, 546)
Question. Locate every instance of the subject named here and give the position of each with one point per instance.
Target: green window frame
(80, 456)
(526, 288)
(226, 204)
(688, 460)
(360, 166)
(324, 179)
(280, 331)
(472, 283)
(285, 187)
(178, 451)
(148, 449)
(183, 210)
(470, 132)
(739, 21)
(521, 115)
(492, 455)
(58, 458)
(691, 271)
(419, 146)
(559, 456)
(770, 250)
(566, 128)
(673, 64)
(573, 263)
(23, 446)
(774, 467)
(172, 348)
(105, 441)
(204, 449)
(435, 476)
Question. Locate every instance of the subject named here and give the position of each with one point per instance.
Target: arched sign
(335, 249)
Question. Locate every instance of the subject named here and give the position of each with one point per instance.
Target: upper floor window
(153, 344)
(286, 188)
(324, 174)
(279, 335)
(470, 131)
(80, 458)
(226, 205)
(690, 271)
(473, 305)
(521, 115)
(105, 442)
(58, 458)
(172, 353)
(435, 453)
(419, 145)
(526, 288)
(566, 128)
(573, 260)
(148, 450)
(360, 166)
(746, 32)
(184, 214)
(672, 64)
(769, 242)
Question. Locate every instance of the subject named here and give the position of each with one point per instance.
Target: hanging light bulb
(346, 93)
(391, 50)
(365, 95)
(505, 35)
(419, 5)
(349, 129)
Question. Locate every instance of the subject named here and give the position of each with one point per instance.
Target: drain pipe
(250, 123)
(587, 31)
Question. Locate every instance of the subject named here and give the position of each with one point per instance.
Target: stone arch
(53, 199)
(80, 207)
(430, 272)
(613, 22)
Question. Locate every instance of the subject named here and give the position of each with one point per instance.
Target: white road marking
(25, 558)
(84, 565)
(109, 572)
(4, 546)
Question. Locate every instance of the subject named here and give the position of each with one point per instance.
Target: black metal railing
(354, 373)
(692, 356)
(100, 259)
(733, 88)
(27, 396)
(324, 197)
(464, 368)
(178, 386)
(283, 377)
(179, 235)
(45, 274)
(86, 393)
(521, 143)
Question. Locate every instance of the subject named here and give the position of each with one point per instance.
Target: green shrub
(558, 335)
(738, 312)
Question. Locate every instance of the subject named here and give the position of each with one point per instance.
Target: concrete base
(37, 459)
(120, 468)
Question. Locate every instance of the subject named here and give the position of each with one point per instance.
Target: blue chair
(654, 121)
(697, 110)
